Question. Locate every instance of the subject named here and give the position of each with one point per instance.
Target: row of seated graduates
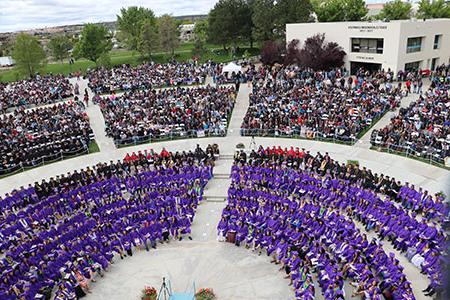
(175, 179)
(424, 243)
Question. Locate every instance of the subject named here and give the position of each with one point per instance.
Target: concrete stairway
(217, 188)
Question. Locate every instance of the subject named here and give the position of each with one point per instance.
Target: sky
(29, 14)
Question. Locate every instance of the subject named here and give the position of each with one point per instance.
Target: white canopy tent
(6, 61)
(231, 67)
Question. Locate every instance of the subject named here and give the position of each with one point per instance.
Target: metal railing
(426, 156)
(43, 161)
(297, 134)
(168, 136)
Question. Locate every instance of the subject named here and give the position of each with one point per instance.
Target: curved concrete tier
(432, 178)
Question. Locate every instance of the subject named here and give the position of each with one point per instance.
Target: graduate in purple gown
(79, 222)
(295, 211)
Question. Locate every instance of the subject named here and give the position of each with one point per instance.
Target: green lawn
(182, 53)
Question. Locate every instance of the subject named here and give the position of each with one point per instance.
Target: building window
(434, 63)
(414, 44)
(367, 45)
(412, 66)
(437, 41)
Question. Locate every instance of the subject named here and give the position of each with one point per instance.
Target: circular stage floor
(232, 272)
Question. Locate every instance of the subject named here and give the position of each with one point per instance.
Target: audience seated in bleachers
(149, 114)
(146, 76)
(31, 137)
(423, 128)
(34, 92)
(294, 101)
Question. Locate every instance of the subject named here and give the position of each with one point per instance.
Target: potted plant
(205, 294)
(149, 293)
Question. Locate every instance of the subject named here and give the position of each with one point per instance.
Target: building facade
(396, 45)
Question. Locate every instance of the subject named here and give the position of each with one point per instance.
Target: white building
(396, 45)
(186, 32)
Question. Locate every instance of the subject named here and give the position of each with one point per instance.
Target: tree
(28, 55)
(340, 10)
(200, 37)
(356, 10)
(230, 21)
(395, 10)
(291, 11)
(433, 9)
(7, 46)
(60, 46)
(94, 41)
(320, 55)
(130, 21)
(263, 18)
(148, 39)
(245, 12)
(104, 60)
(270, 53)
(221, 29)
(199, 47)
(292, 53)
(168, 33)
(201, 30)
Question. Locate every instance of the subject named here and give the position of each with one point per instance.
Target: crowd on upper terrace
(146, 76)
(29, 137)
(143, 114)
(422, 128)
(296, 101)
(34, 92)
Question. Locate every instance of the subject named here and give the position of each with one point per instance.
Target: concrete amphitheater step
(215, 198)
(222, 176)
(227, 156)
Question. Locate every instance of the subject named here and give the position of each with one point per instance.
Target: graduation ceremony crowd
(146, 76)
(297, 101)
(150, 114)
(28, 137)
(34, 92)
(300, 208)
(422, 128)
(59, 234)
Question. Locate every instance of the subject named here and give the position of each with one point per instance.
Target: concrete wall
(394, 34)
(427, 30)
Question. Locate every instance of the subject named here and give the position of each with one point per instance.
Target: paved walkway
(240, 108)
(96, 119)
